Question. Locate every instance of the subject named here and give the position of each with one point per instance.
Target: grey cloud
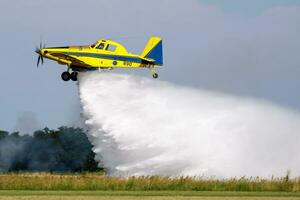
(27, 123)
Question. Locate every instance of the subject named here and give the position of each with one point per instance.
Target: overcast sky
(247, 48)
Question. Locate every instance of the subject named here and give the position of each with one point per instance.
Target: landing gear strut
(66, 76)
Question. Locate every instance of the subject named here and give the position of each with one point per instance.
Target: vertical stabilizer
(154, 50)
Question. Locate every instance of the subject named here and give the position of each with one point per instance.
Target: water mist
(140, 126)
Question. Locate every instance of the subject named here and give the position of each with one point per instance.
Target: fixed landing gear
(155, 75)
(66, 76)
(74, 76)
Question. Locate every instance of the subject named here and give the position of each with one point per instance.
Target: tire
(155, 75)
(65, 76)
(74, 76)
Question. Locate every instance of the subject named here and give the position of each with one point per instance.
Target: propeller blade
(38, 62)
(41, 43)
(38, 50)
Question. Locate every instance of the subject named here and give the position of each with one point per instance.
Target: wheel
(65, 76)
(74, 76)
(154, 75)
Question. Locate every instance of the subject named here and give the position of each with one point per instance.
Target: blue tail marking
(156, 54)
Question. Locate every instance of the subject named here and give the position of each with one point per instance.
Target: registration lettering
(127, 63)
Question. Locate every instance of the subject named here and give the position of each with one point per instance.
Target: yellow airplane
(104, 54)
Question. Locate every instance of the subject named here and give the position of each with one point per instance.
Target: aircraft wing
(67, 58)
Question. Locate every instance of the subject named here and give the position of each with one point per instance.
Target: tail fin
(153, 50)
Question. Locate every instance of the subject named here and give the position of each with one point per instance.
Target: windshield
(93, 45)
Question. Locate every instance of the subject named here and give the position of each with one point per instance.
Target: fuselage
(102, 54)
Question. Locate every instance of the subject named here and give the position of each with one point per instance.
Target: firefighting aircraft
(104, 54)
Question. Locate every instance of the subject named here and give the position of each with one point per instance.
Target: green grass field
(49, 186)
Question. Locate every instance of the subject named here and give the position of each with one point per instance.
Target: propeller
(38, 51)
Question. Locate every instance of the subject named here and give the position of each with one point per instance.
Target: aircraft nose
(44, 51)
(38, 51)
(41, 51)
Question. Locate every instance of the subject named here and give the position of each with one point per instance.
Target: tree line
(66, 149)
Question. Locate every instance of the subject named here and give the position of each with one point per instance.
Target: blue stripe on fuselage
(104, 56)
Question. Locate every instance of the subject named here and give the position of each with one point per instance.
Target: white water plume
(140, 126)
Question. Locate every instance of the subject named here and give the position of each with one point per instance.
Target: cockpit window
(93, 45)
(101, 45)
(110, 47)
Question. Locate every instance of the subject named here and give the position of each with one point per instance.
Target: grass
(101, 182)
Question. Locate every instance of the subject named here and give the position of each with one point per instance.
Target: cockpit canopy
(108, 45)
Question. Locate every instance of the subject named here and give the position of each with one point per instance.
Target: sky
(249, 7)
(245, 48)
